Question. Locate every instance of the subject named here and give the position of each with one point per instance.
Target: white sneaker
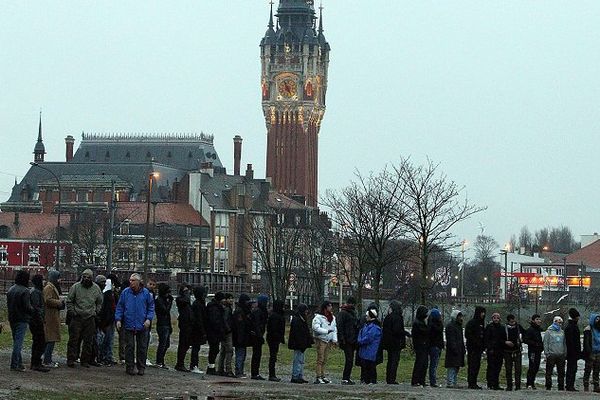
(197, 370)
(149, 364)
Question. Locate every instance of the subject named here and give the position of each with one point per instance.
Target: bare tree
(525, 239)
(87, 233)
(433, 206)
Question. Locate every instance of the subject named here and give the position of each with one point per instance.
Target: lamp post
(462, 268)
(146, 238)
(56, 254)
(504, 252)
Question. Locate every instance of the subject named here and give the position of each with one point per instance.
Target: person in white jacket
(325, 333)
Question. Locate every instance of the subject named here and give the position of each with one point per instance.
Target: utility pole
(112, 206)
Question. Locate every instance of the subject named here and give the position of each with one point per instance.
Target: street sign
(291, 297)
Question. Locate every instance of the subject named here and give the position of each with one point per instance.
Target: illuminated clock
(288, 88)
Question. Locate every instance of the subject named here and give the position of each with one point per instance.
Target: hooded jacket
(513, 335)
(300, 338)
(258, 318)
(19, 299)
(37, 300)
(241, 325)
(394, 334)
(474, 331)
(554, 341)
(215, 321)
(533, 339)
(163, 304)
(84, 302)
(109, 304)
(420, 331)
(276, 324)
(347, 325)
(199, 316)
(436, 329)
(369, 340)
(455, 344)
(494, 337)
(573, 340)
(591, 337)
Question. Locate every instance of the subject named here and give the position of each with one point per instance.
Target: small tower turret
(39, 150)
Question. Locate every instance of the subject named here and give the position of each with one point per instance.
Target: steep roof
(32, 226)
(220, 189)
(588, 255)
(160, 213)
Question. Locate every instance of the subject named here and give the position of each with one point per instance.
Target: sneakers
(149, 364)
(130, 371)
(241, 376)
(296, 380)
(40, 368)
(325, 379)
(229, 375)
(197, 370)
(274, 379)
(347, 382)
(18, 369)
(320, 381)
(50, 365)
(181, 369)
(162, 366)
(211, 371)
(257, 378)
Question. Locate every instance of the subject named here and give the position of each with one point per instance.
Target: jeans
(195, 356)
(240, 359)
(298, 365)
(48, 352)
(105, 344)
(164, 341)
(534, 366)
(434, 359)
(391, 369)
(452, 376)
(135, 347)
(474, 365)
(213, 351)
(18, 335)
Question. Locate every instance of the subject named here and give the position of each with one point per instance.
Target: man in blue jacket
(134, 314)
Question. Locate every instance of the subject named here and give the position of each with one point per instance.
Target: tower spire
(321, 17)
(271, 17)
(39, 150)
(40, 128)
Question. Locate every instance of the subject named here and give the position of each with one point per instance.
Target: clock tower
(295, 59)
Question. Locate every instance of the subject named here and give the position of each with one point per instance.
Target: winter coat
(19, 306)
(573, 340)
(215, 322)
(369, 339)
(84, 302)
(436, 332)
(324, 330)
(554, 342)
(241, 326)
(37, 303)
(276, 324)
(455, 345)
(198, 322)
(107, 312)
(300, 338)
(494, 338)
(591, 338)
(184, 320)
(420, 331)
(533, 339)
(162, 307)
(134, 309)
(347, 326)
(227, 318)
(394, 334)
(474, 332)
(52, 318)
(258, 319)
(513, 335)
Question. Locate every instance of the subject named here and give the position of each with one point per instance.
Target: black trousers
(182, 348)
(273, 350)
(494, 368)
(135, 349)
(213, 351)
(420, 367)
(473, 367)
(534, 366)
(513, 359)
(369, 369)
(349, 350)
(391, 368)
(571, 372)
(81, 331)
(194, 357)
(558, 362)
(38, 343)
(255, 362)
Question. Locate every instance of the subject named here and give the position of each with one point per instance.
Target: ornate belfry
(295, 59)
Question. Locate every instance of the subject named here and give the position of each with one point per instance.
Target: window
(297, 219)
(124, 228)
(98, 196)
(123, 254)
(34, 255)
(4, 231)
(188, 231)
(82, 196)
(191, 256)
(3, 255)
(140, 255)
(220, 242)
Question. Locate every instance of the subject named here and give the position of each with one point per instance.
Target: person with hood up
(533, 339)
(494, 338)
(369, 339)
(162, 307)
(198, 337)
(36, 324)
(455, 348)
(299, 340)
(19, 314)
(420, 339)
(574, 353)
(347, 325)
(106, 324)
(555, 349)
(475, 346)
(436, 343)
(258, 318)
(184, 321)
(226, 352)
(54, 305)
(134, 315)
(591, 353)
(324, 329)
(84, 303)
(215, 329)
(393, 340)
(241, 332)
(512, 352)
(275, 336)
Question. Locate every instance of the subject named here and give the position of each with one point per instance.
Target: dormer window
(34, 255)
(124, 229)
(3, 255)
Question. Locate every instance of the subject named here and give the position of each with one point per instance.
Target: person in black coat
(185, 325)
(512, 352)
(36, 325)
(347, 331)
(494, 338)
(535, 346)
(275, 336)
(420, 339)
(436, 343)
(299, 340)
(215, 329)
(574, 353)
(258, 318)
(241, 331)
(226, 352)
(198, 327)
(162, 308)
(393, 340)
(475, 346)
(455, 348)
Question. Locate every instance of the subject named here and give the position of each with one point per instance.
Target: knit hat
(53, 275)
(454, 314)
(435, 313)
(219, 296)
(573, 313)
(557, 320)
(371, 314)
(262, 300)
(87, 273)
(100, 279)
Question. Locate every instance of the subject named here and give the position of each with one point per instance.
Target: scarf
(329, 316)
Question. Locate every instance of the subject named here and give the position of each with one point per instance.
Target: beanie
(573, 313)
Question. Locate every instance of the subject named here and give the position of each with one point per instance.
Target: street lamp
(504, 252)
(56, 258)
(462, 268)
(148, 201)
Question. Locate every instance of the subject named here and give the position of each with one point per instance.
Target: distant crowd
(98, 307)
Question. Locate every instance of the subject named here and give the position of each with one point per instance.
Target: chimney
(237, 154)
(69, 141)
(249, 172)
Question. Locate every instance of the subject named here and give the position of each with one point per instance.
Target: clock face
(288, 88)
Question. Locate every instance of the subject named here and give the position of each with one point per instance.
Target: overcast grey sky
(505, 95)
